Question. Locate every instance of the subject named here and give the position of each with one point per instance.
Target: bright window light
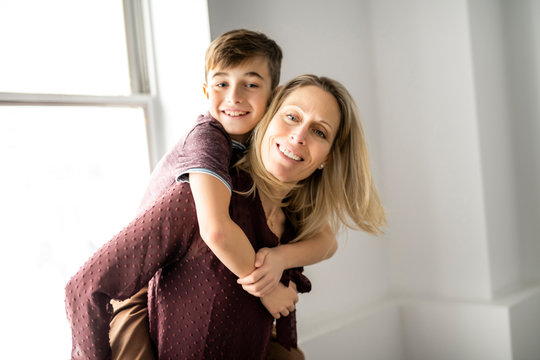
(63, 47)
(72, 177)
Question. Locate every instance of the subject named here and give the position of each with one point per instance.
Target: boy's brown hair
(236, 46)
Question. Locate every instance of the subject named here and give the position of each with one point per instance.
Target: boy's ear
(205, 90)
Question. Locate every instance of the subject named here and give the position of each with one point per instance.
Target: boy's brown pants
(130, 326)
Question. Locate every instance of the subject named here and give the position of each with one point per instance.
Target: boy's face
(239, 95)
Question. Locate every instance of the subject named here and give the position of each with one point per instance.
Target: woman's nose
(298, 137)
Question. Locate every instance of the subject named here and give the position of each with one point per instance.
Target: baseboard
(430, 329)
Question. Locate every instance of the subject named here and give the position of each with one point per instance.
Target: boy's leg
(130, 335)
(277, 352)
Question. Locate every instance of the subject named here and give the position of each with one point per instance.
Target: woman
(309, 154)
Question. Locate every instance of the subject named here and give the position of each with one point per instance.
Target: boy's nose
(234, 94)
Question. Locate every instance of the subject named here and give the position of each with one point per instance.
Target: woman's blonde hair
(343, 192)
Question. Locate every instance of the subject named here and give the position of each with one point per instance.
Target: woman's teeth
(289, 154)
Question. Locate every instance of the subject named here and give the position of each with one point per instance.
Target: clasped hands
(264, 282)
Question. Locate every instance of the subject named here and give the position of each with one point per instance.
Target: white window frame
(142, 76)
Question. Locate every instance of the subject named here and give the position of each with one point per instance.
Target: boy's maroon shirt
(206, 148)
(196, 308)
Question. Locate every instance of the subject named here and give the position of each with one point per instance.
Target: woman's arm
(309, 251)
(271, 262)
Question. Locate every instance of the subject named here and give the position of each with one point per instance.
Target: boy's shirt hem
(183, 176)
(206, 148)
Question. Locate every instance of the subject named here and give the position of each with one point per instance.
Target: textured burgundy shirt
(206, 148)
(196, 308)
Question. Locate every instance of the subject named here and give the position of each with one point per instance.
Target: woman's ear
(323, 164)
(205, 90)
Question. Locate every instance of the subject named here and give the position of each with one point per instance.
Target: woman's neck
(275, 218)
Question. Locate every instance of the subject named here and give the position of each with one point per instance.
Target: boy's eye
(252, 85)
(221, 84)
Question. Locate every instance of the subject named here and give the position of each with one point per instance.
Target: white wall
(522, 43)
(431, 158)
(494, 123)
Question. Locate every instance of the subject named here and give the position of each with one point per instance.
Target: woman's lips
(289, 153)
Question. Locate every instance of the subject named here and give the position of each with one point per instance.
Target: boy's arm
(271, 262)
(222, 235)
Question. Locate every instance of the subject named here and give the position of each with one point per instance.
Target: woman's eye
(320, 133)
(222, 84)
(292, 117)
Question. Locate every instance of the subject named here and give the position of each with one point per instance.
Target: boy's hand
(281, 301)
(269, 269)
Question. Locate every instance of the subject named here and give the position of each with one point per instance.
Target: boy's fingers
(244, 281)
(251, 278)
(256, 290)
(261, 285)
(251, 290)
(262, 291)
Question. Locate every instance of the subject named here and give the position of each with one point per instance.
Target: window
(75, 123)
(63, 47)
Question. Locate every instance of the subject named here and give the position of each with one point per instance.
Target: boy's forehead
(253, 66)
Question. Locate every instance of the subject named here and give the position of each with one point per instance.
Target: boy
(242, 71)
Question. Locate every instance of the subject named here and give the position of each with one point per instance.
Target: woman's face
(300, 135)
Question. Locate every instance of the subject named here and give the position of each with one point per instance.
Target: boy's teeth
(235, 113)
(289, 154)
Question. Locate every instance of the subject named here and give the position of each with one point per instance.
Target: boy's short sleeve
(207, 149)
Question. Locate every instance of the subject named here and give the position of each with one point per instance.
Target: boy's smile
(239, 95)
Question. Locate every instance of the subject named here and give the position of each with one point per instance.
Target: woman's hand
(269, 268)
(281, 301)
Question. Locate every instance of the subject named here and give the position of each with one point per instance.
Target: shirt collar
(238, 145)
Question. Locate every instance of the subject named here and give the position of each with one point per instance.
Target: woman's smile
(289, 154)
(300, 135)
